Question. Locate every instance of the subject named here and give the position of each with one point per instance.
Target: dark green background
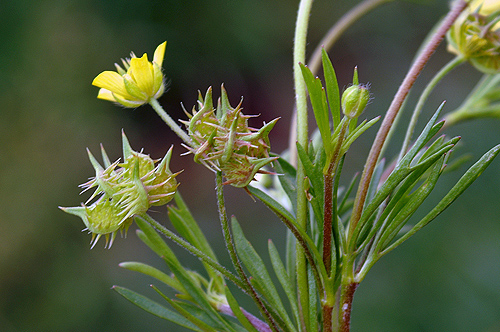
(446, 278)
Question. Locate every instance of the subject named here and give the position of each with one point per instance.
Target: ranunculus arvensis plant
(334, 234)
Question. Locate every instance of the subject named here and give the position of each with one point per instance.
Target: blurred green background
(446, 278)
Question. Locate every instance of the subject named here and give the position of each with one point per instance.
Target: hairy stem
(193, 250)
(423, 98)
(170, 122)
(234, 257)
(299, 56)
(346, 297)
(329, 213)
(394, 108)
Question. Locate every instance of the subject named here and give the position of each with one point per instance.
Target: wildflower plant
(334, 234)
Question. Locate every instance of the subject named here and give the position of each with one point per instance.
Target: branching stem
(394, 108)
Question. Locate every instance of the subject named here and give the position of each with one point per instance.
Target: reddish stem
(395, 106)
(346, 306)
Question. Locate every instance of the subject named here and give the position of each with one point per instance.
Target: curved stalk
(340, 27)
(423, 98)
(394, 108)
(170, 122)
(299, 56)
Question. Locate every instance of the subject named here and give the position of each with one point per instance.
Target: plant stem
(328, 204)
(423, 98)
(347, 20)
(393, 110)
(171, 123)
(193, 250)
(467, 109)
(327, 317)
(328, 217)
(299, 55)
(346, 297)
(234, 257)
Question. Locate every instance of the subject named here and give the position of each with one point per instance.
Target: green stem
(234, 256)
(170, 122)
(193, 250)
(393, 110)
(299, 56)
(467, 109)
(347, 20)
(423, 98)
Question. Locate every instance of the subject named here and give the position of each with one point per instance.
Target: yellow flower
(475, 36)
(487, 6)
(135, 84)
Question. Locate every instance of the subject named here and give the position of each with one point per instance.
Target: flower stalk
(336, 239)
(234, 256)
(394, 108)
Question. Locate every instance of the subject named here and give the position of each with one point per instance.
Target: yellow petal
(135, 92)
(159, 53)
(106, 95)
(158, 81)
(142, 73)
(112, 81)
(129, 103)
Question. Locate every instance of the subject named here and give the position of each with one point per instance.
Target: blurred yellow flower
(475, 36)
(135, 84)
(487, 6)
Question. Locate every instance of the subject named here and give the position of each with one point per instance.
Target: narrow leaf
(465, 181)
(319, 105)
(287, 178)
(155, 273)
(153, 239)
(258, 271)
(204, 326)
(236, 311)
(305, 241)
(154, 308)
(284, 279)
(185, 224)
(332, 88)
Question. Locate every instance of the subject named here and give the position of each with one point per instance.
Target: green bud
(354, 100)
(124, 190)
